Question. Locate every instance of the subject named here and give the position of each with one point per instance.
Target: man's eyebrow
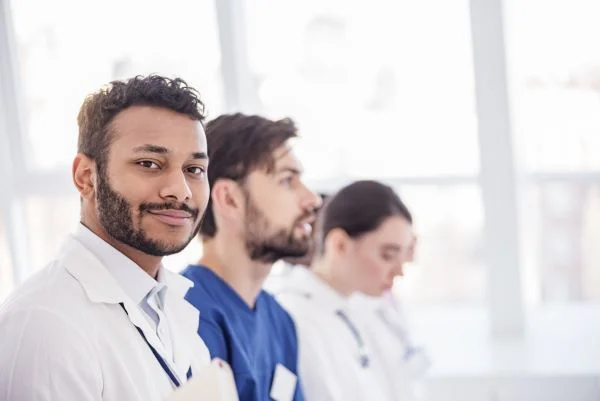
(293, 170)
(151, 149)
(200, 155)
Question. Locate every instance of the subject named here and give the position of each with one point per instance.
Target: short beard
(266, 248)
(116, 217)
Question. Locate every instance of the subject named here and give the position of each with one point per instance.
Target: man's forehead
(285, 158)
(162, 127)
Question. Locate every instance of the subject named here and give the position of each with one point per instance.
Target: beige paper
(214, 383)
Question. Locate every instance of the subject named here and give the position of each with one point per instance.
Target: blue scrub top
(252, 341)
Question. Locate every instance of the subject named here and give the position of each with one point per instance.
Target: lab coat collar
(101, 287)
(136, 283)
(95, 279)
(304, 282)
(366, 303)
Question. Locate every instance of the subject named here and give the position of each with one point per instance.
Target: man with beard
(105, 320)
(259, 212)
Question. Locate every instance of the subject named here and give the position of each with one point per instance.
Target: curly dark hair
(100, 108)
(239, 144)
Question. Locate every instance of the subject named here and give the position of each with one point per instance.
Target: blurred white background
(485, 115)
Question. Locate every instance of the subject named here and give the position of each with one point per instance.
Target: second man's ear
(226, 197)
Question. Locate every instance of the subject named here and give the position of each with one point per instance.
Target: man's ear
(227, 198)
(84, 175)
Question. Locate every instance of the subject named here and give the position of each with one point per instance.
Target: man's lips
(172, 217)
(182, 214)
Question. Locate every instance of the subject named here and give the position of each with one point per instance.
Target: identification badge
(284, 384)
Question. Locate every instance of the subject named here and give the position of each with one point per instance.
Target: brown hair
(100, 108)
(239, 144)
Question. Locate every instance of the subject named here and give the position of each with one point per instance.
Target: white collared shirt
(332, 347)
(148, 293)
(64, 336)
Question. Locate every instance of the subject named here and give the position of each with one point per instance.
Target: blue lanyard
(159, 358)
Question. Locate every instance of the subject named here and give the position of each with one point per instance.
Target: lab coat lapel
(101, 287)
(183, 321)
(327, 298)
(181, 351)
(139, 321)
(97, 282)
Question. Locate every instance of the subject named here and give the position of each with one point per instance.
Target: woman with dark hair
(404, 362)
(362, 237)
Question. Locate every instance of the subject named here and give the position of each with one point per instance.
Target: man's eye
(287, 180)
(148, 164)
(196, 170)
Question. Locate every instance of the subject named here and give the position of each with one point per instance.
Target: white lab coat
(403, 364)
(330, 363)
(64, 336)
(279, 275)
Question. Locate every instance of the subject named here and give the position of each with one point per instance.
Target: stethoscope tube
(362, 349)
(363, 355)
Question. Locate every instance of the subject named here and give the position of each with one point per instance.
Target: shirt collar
(134, 281)
(160, 289)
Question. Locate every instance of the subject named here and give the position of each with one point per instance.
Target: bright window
(63, 58)
(449, 265)
(369, 98)
(554, 65)
(554, 60)
(6, 272)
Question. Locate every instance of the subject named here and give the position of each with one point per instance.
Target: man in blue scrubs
(259, 212)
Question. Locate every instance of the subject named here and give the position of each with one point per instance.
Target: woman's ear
(337, 242)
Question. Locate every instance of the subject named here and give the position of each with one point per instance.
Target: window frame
(499, 180)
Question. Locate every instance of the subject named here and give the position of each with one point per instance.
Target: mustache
(148, 206)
